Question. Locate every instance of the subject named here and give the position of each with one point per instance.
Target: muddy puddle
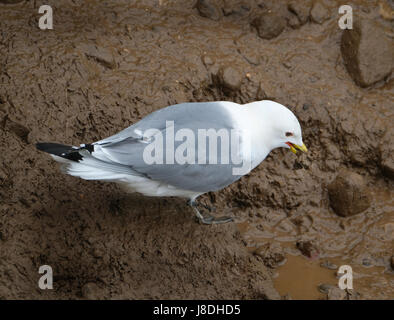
(302, 279)
(362, 245)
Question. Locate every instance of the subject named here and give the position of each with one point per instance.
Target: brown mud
(106, 65)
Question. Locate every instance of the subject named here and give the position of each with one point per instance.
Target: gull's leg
(199, 216)
(208, 219)
(205, 206)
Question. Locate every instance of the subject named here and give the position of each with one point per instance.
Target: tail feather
(87, 163)
(80, 162)
(63, 151)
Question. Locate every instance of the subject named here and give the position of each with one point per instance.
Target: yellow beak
(294, 147)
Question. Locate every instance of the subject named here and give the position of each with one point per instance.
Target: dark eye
(288, 134)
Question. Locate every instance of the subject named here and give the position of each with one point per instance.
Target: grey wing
(149, 137)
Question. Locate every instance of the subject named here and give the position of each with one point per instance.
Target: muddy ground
(107, 64)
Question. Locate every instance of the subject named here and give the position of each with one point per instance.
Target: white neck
(252, 117)
(259, 124)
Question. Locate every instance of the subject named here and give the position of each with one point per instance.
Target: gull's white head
(282, 125)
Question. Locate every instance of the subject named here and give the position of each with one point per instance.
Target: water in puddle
(365, 244)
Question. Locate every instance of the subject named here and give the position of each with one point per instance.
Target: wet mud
(107, 64)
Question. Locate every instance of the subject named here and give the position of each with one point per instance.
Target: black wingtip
(54, 148)
(60, 150)
(42, 146)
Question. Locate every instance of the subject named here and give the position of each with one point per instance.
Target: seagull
(185, 150)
